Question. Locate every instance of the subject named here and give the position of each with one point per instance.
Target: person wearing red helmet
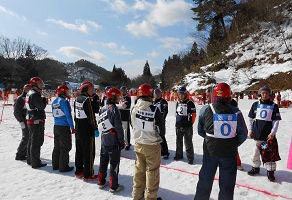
(20, 115)
(36, 116)
(63, 121)
(147, 123)
(86, 128)
(223, 128)
(112, 140)
(185, 118)
(264, 122)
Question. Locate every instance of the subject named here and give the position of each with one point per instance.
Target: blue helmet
(182, 90)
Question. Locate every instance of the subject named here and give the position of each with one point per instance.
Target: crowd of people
(220, 123)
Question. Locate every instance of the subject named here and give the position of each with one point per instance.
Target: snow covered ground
(178, 179)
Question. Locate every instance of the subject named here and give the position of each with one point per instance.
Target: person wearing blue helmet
(185, 118)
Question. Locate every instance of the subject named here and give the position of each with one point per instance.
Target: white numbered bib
(57, 112)
(182, 109)
(104, 124)
(264, 112)
(79, 111)
(225, 125)
(145, 120)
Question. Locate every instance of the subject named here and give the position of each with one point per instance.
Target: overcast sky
(106, 32)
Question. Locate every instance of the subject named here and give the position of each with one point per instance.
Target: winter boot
(39, 166)
(271, 176)
(90, 179)
(254, 171)
(119, 188)
(68, 169)
(21, 158)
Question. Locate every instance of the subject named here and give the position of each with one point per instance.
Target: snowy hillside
(259, 56)
(178, 179)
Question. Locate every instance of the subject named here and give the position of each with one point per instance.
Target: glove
(22, 125)
(96, 132)
(122, 145)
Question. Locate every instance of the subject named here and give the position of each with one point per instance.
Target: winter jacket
(163, 106)
(62, 112)
(19, 108)
(184, 113)
(265, 117)
(110, 125)
(96, 103)
(35, 105)
(85, 121)
(221, 146)
(125, 112)
(147, 123)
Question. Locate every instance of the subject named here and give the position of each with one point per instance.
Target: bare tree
(17, 48)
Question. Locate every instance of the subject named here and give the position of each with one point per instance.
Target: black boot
(254, 171)
(271, 176)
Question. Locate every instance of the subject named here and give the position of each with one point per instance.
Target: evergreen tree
(208, 12)
(146, 70)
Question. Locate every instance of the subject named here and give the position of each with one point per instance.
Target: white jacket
(146, 137)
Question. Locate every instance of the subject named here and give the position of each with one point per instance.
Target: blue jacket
(62, 112)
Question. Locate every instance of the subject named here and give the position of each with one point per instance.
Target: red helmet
(62, 89)
(86, 84)
(222, 90)
(34, 81)
(113, 93)
(145, 90)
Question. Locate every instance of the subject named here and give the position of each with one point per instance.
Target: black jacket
(163, 106)
(217, 146)
(125, 113)
(35, 105)
(85, 127)
(19, 108)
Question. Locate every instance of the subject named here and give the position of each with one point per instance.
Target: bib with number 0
(104, 124)
(145, 120)
(57, 112)
(225, 125)
(182, 109)
(79, 111)
(264, 112)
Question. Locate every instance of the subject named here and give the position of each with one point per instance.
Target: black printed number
(181, 110)
(143, 123)
(103, 126)
(78, 113)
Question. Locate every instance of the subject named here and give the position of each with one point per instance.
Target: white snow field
(178, 180)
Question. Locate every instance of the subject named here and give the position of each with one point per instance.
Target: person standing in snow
(63, 127)
(36, 116)
(163, 108)
(124, 107)
(112, 141)
(223, 128)
(147, 121)
(264, 122)
(20, 114)
(185, 118)
(86, 129)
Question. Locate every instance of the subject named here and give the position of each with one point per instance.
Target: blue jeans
(227, 177)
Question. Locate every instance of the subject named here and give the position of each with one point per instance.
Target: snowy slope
(255, 58)
(178, 179)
